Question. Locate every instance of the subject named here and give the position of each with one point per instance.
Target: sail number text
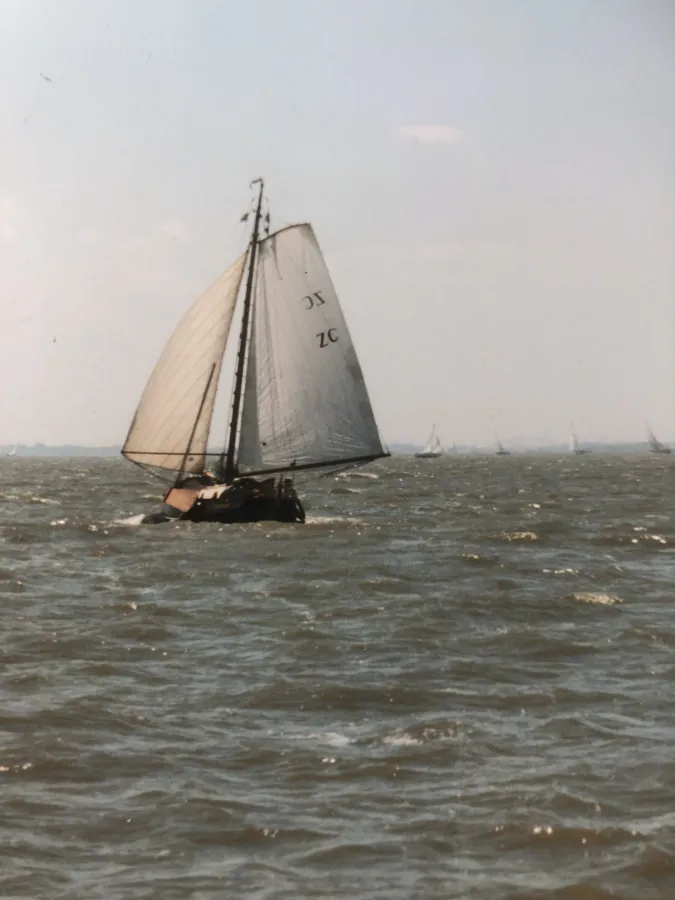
(327, 337)
(324, 338)
(312, 300)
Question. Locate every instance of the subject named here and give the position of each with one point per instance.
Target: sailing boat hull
(430, 455)
(245, 500)
(298, 392)
(655, 445)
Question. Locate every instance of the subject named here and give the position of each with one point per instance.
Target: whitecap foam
(519, 536)
(335, 739)
(597, 598)
(131, 520)
(401, 740)
(332, 738)
(333, 520)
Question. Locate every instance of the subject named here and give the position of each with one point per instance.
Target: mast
(227, 465)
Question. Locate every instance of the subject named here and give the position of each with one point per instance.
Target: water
(455, 681)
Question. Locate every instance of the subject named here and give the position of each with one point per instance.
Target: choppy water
(455, 681)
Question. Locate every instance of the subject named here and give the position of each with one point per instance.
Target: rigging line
(274, 384)
(267, 218)
(338, 471)
(147, 470)
(126, 453)
(299, 334)
(243, 235)
(356, 460)
(186, 457)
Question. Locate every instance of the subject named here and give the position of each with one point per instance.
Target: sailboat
(575, 446)
(12, 452)
(299, 400)
(432, 449)
(655, 445)
(501, 449)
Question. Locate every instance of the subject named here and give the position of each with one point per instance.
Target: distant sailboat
(501, 449)
(655, 445)
(299, 401)
(575, 446)
(12, 452)
(432, 449)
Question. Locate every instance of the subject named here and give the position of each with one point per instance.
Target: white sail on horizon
(501, 450)
(432, 447)
(305, 400)
(434, 443)
(655, 445)
(175, 410)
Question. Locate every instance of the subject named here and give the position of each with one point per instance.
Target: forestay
(167, 414)
(305, 400)
(433, 444)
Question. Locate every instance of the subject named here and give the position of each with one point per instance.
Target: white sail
(574, 444)
(433, 444)
(432, 447)
(176, 405)
(305, 400)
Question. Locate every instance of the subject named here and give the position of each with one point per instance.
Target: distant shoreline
(73, 450)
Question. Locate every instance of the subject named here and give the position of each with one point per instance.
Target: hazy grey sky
(492, 182)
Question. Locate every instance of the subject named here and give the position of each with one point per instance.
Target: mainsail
(655, 445)
(305, 401)
(432, 448)
(171, 426)
(433, 445)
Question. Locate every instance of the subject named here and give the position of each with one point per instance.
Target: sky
(492, 184)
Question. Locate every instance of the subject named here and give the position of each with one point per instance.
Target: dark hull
(245, 500)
